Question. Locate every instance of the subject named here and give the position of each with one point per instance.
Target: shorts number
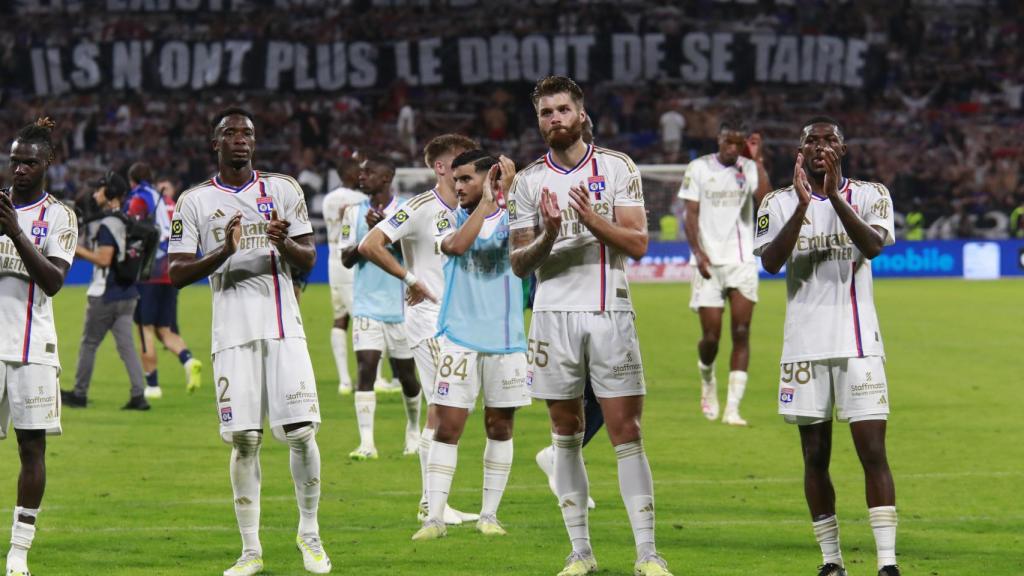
(447, 368)
(536, 353)
(802, 374)
(222, 384)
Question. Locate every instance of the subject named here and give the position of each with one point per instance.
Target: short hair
(116, 187)
(733, 123)
(480, 159)
(39, 132)
(822, 120)
(445, 144)
(140, 172)
(346, 163)
(556, 85)
(382, 161)
(230, 111)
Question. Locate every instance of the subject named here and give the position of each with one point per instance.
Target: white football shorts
(711, 293)
(462, 372)
(270, 378)
(390, 337)
(426, 353)
(29, 397)
(855, 387)
(565, 346)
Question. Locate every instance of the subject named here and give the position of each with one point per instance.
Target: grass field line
(665, 522)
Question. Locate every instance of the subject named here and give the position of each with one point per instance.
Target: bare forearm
(863, 236)
(375, 249)
(691, 224)
(40, 269)
(187, 269)
(458, 243)
(778, 251)
(629, 241)
(764, 184)
(299, 252)
(528, 258)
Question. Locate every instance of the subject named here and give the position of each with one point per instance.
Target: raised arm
(47, 272)
(867, 239)
(775, 254)
(626, 232)
(531, 246)
(457, 243)
(186, 269)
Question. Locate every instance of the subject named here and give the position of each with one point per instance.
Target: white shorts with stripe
(29, 397)
(565, 347)
(270, 378)
(711, 292)
(426, 353)
(462, 372)
(390, 337)
(855, 388)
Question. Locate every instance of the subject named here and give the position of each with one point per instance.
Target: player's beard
(564, 136)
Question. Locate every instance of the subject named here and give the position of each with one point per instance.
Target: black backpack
(142, 238)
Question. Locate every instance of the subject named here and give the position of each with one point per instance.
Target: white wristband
(410, 279)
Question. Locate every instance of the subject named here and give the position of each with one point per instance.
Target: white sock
(573, 488)
(883, 524)
(497, 467)
(304, 460)
(426, 440)
(366, 405)
(412, 412)
(22, 534)
(339, 345)
(827, 533)
(737, 386)
(707, 373)
(637, 488)
(440, 470)
(245, 484)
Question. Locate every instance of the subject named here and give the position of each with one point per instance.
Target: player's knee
(301, 438)
(448, 433)
(498, 428)
(741, 333)
(568, 424)
(872, 456)
(710, 338)
(247, 442)
(816, 456)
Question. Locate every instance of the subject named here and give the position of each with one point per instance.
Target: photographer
(111, 302)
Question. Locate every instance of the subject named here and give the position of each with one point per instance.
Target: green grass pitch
(148, 493)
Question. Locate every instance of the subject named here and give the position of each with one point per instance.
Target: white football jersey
(252, 290)
(26, 312)
(726, 197)
(420, 234)
(581, 273)
(334, 201)
(830, 311)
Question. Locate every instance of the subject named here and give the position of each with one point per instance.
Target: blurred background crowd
(942, 129)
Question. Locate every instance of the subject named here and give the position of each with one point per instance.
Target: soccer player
(38, 236)
(157, 311)
(583, 319)
(826, 229)
(338, 277)
(424, 218)
(483, 340)
(253, 231)
(721, 191)
(377, 311)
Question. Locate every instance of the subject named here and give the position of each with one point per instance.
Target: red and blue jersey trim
(26, 346)
(218, 184)
(853, 284)
(550, 161)
(273, 272)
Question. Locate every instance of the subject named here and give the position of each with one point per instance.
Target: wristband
(410, 279)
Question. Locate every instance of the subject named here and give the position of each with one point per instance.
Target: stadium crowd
(941, 129)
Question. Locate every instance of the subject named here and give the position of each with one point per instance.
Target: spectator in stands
(672, 124)
(111, 300)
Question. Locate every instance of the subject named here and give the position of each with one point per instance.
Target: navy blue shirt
(114, 291)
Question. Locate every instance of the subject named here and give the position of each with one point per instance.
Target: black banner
(286, 66)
